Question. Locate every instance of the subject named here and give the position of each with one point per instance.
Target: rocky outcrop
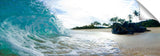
(127, 28)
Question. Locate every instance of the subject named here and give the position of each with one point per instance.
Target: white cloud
(83, 12)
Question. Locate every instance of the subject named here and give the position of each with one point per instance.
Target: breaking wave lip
(28, 28)
(23, 24)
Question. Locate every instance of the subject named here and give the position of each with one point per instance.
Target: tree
(114, 19)
(121, 20)
(105, 24)
(130, 18)
(136, 13)
(96, 23)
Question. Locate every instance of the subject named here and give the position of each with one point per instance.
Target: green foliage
(91, 26)
(87, 27)
(114, 19)
(130, 18)
(117, 20)
(121, 20)
(136, 13)
(96, 23)
(105, 24)
(149, 23)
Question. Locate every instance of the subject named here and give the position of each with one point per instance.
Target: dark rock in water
(127, 28)
(119, 29)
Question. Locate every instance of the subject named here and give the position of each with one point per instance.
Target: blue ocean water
(24, 23)
(29, 28)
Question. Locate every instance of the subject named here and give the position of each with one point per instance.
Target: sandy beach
(139, 44)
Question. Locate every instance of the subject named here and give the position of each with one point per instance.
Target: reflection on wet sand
(139, 44)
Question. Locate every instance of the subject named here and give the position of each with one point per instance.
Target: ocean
(29, 28)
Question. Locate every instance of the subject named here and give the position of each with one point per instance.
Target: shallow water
(138, 44)
(83, 43)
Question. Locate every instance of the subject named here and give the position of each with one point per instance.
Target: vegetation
(88, 27)
(104, 24)
(136, 13)
(149, 23)
(96, 23)
(117, 20)
(92, 26)
(114, 19)
(130, 18)
(121, 20)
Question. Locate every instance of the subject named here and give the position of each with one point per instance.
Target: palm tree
(96, 23)
(114, 19)
(105, 24)
(136, 13)
(130, 18)
(121, 20)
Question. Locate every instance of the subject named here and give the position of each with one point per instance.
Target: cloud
(82, 12)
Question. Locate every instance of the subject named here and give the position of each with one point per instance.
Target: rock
(117, 28)
(127, 28)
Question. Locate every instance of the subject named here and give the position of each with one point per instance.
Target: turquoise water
(29, 28)
(24, 23)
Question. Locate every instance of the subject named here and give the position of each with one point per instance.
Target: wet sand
(139, 44)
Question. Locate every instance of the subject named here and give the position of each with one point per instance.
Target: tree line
(113, 20)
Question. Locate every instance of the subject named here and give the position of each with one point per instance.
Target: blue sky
(82, 12)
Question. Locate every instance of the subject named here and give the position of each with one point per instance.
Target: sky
(74, 13)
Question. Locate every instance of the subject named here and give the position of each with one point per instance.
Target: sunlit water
(29, 28)
(82, 43)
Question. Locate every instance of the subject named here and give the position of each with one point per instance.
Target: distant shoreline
(91, 28)
(110, 29)
(97, 25)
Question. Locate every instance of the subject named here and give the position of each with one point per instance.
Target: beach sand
(138, 44)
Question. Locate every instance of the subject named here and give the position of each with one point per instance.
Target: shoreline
(138, 44)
